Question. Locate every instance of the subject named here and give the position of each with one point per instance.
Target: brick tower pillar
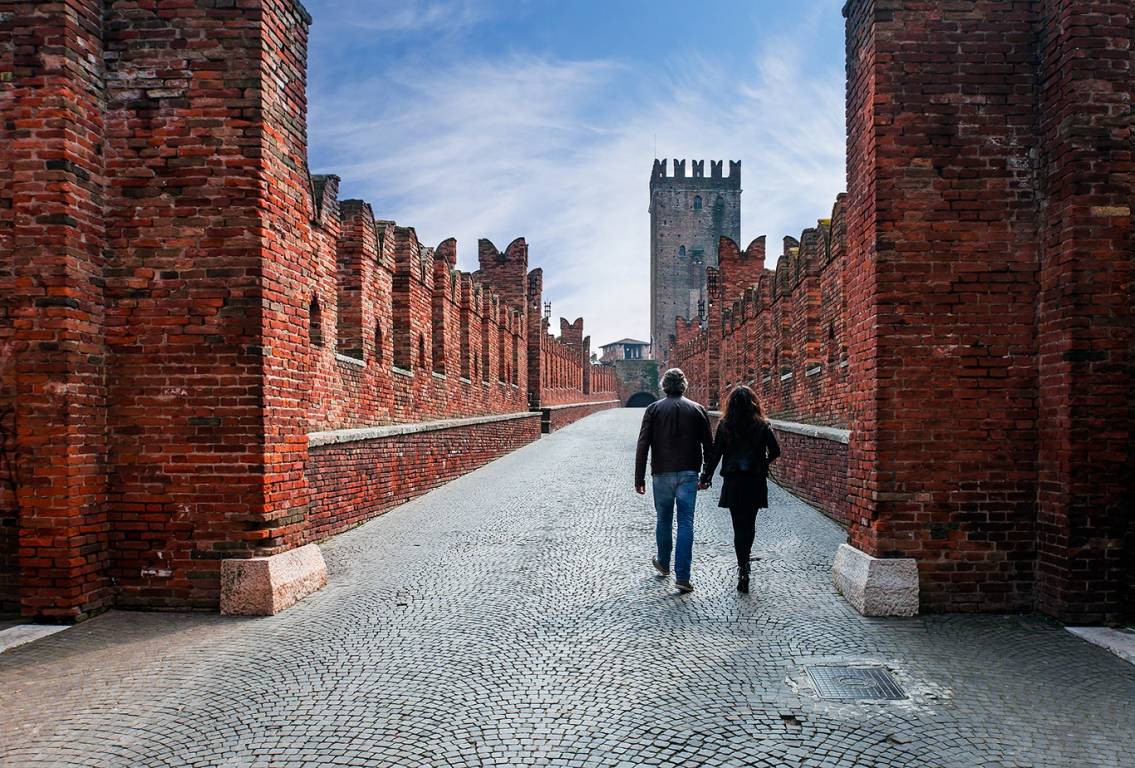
(713, 337)
(52, 306)
(1087, 394)
(536, 332)
(942, 296)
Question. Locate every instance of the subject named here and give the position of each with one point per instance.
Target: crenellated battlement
(697, 178)
(781, 330)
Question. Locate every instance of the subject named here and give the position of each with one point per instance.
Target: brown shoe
(684, 586)
(663, 570)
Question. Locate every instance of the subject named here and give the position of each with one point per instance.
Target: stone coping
(350, 360)
(834, 434)
(578, 405)
(337, 436)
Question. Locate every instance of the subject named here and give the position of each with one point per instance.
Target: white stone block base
(876, 586)
(263, 586)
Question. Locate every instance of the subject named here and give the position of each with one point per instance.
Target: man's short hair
(674, 382)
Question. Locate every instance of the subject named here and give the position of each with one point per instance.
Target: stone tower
(688, 215)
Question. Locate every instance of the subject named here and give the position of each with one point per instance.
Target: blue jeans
(671, 487)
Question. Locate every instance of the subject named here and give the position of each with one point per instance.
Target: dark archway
(640, 400)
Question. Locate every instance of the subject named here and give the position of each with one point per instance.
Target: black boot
(743, 579)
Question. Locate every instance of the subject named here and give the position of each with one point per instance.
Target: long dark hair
(742, 411)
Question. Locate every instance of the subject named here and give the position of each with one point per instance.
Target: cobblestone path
(512, 618)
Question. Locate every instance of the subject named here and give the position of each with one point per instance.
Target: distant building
(688, 216)
(625, 349)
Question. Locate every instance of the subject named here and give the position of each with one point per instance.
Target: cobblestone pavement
(512, 618)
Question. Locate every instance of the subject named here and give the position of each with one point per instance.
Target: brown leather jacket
(675, 431)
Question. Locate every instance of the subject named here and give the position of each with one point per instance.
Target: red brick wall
(9, 526)
(952, 299)
(53, 359)
(556, 418)
(967, 310)
(1086, 327)
(566, 374)
(602, 381)
(184, 184)
(815, 469)
(783, 331)
(352, 482)
(181, 303)
(163, 259)
(9, 516)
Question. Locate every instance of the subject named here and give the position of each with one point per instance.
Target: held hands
(704, 483)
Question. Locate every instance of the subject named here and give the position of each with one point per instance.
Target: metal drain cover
(848, 683)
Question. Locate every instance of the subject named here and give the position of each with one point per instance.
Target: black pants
(744, 528)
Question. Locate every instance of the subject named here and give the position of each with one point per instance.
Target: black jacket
(675, 431)
(741, 454)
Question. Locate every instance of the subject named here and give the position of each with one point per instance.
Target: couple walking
(675, 432)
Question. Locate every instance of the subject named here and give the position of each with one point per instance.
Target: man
(675, 431)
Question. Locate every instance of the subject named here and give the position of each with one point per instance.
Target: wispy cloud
(560, 152)
(390, 16)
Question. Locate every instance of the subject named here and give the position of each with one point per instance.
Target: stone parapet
(557, 417)
(336, 436)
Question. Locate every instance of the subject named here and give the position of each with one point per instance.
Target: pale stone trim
(264, 586)
(808, 430)
(876, 586)
(577, 405)
(336, 436)
(350, 360)
(401, 371)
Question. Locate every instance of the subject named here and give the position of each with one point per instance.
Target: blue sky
(471, 118)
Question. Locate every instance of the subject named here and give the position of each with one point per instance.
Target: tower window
(697, 202)
(315, 323)
(681, 250)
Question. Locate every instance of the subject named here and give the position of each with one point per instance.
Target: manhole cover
(846, 683)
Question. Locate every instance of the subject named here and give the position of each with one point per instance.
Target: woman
(745, 446)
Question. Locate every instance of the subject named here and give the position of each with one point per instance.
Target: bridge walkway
(512, 618)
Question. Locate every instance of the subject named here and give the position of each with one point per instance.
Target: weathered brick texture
(816, 470)
(346, 489)
(558, 417)
(54, 357)
(1086, 310)
(967, 310)
(182, 303)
